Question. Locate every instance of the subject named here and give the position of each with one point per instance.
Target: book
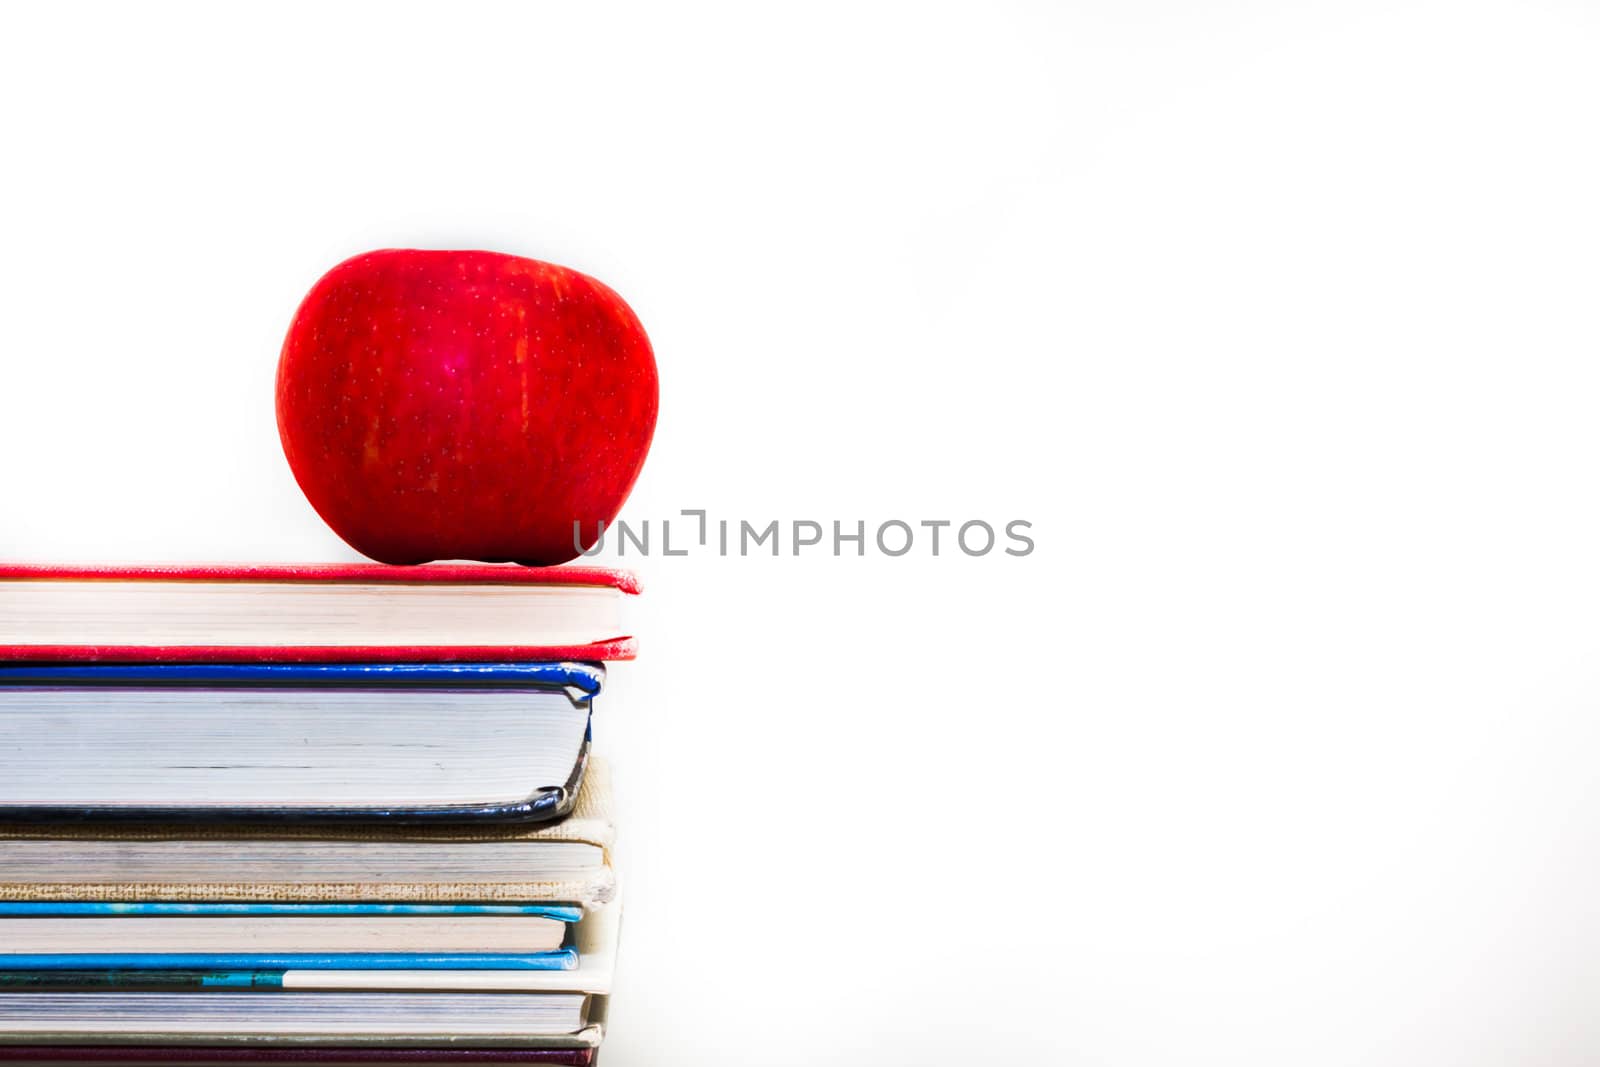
(566, 861)
(402, 741)
(588, 968)
(55, 909)
(237, 965)
(273, 934)
(464, 1018)
(313, 613)
(331, 1056)
(261, 941)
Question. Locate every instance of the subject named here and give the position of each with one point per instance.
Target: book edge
(625, 581)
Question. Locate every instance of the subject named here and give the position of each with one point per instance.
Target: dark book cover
(197, 1056)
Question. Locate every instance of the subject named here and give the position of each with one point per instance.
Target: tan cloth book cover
(590, 823)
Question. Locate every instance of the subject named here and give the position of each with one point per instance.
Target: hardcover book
(447, 742)
(313, 613)
(566, 861)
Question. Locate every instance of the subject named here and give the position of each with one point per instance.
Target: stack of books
(337, 814)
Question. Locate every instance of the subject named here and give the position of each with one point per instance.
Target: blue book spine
(40, 909)
(583, 679)
(564, 960)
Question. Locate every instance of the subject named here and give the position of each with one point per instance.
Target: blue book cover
(582, 680)
(174, 690)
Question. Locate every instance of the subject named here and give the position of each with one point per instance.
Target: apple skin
(465, 405)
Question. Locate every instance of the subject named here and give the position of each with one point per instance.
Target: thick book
(565, 861)
(313, 613)
(405, 742)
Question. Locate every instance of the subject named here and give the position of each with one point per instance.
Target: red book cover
(20, 647)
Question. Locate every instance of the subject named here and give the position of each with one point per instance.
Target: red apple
(465, 405)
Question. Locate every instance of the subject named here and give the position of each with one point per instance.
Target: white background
(1277, 321)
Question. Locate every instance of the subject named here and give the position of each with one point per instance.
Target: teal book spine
(62, 981)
